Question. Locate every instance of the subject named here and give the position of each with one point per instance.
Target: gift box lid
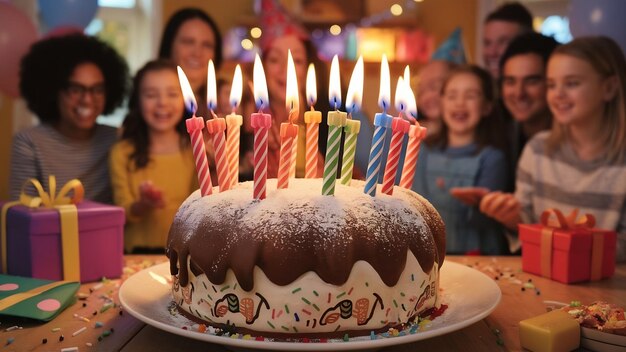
(42, 221)
(570, 240)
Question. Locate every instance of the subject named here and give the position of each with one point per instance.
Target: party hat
(276, 23)
(451, 49)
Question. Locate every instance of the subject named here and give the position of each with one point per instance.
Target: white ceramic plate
(469, 294)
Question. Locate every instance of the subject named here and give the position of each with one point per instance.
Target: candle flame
(355, 88)
(292, 98)
(236, 88)
(311, 85)
(407, 75)
(400, 98)
(411, 103)
(260, 85)
(334, 86)
(190, 101)
(211, 89)
(384, 94)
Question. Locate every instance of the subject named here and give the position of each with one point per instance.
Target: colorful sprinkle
(69, 349)
(203, 284)
(306, 311)
(44, 341)
(350, 291)
(297, 290)
(247, 337)
(402, 294)
(99, 324)
(423, 282)
(271, 325)
(284, 328)
(316, 307)
(279, 314)
(56, 329)
(372, 335)
(395, 303)
(286, 309)
(315, 293)
(412, 277)
(106, 307)
(10, 341)
(79, 331)
(88, 344)
(328, 297)
(305, 301)
(12, 328)
(224, 288)
(295, 315)
(346, 337)
(235, 287)
(341, 295)
(208, 295)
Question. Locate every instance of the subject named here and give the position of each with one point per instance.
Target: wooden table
(122, 332)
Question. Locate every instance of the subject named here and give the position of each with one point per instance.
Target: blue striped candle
(382, 122)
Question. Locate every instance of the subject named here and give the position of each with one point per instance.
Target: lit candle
(288, 130)
(312, 119)
(216, 128)
(194, 128)
(400, 127)
(353, 104)
(382, 122)
(336, 121)
(233, 128)
(416, 134)
(261, 124)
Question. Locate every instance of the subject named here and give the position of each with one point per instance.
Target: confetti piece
(106, 307)
(79, 331)
(88, 344)
(99, 324)
(56, 329)
(69, 349)
(12, 328)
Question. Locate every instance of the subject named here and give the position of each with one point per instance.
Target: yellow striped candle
(312, 120)
(233, 129)
(353, 104)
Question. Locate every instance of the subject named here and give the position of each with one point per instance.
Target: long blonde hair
(607, 58)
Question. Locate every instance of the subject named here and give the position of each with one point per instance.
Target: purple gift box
(34, 242)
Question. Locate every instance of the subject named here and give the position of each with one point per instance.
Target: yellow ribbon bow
(65, 204)
(553, 219)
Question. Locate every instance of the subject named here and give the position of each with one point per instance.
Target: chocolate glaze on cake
(297, 230)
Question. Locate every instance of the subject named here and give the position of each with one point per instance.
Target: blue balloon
(57, 13)
(599, 17)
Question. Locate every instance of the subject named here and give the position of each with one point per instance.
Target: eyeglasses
(75, 90)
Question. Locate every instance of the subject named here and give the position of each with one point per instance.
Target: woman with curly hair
(152, 167)
(68, 82)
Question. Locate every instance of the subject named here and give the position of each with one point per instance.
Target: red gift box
(567, 251)
(40, 244)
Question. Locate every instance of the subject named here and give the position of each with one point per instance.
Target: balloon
(57, 13)
(599, 17)
(17, 33)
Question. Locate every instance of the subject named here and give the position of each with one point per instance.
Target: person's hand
(503, 207)
(150, 195)
(469, 195)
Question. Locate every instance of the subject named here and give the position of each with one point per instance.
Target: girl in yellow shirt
(152, 167)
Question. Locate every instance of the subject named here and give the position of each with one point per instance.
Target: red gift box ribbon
(553, 219)
(66, 205)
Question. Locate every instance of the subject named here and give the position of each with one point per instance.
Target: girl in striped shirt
(581, 162)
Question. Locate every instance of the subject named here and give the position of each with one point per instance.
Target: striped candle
(194, 128)
(261, 124)
(294, 156)
(399, 127)
(312, 119)
(382, 122)
(216, 128)
(349, 148)
(416, 134)
(233, 131)
(336, 121)
(288, 134)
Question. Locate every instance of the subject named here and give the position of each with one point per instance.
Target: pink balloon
(17, 33)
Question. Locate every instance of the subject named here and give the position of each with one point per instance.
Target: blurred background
(407, 31)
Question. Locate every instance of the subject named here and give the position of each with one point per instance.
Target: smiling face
(82, 101)
(161, 100)
(463, 104)
(431, 80)
(193, 47)
(576, 92)
(275, 65)
(496, 37)
(524, 87)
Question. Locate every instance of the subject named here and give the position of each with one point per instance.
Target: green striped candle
(336, 121)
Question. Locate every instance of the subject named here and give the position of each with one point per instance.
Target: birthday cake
(299, 264)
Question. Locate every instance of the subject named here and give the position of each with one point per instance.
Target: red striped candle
(216, 128)
(399, 127)
(416, 134)
(288, 134)
(194, 128)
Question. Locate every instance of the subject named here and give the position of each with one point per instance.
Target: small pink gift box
(34, 241)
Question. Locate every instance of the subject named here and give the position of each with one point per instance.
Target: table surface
(122, 332)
